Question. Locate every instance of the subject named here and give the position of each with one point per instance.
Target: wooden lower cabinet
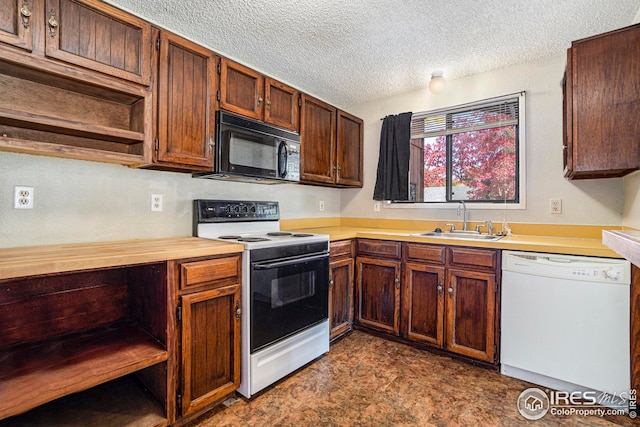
(209, 316)
(210, 365)
(423, 303)
(447, 299)
(470, 318)
(341, 275)
(378, 290)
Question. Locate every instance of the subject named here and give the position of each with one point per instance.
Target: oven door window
(287, 297)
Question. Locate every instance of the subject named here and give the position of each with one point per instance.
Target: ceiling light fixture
(437, 83)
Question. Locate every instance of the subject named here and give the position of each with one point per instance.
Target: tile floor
(368, 381)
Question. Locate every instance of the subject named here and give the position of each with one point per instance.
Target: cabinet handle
(397, 282)
(450, 291)
(331, 283)
(212, 144)
(238, 311)
(259, 99)
(268, 104)
(439, 289)
(53, 23)
(25, 14)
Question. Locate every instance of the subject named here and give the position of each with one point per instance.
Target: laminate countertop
(50, 259)
(551, 244)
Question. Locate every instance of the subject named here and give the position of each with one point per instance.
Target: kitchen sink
(459, 235)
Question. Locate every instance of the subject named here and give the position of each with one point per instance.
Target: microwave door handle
(288, 262)
(282, 159)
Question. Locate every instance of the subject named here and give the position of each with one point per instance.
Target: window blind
(495, 112)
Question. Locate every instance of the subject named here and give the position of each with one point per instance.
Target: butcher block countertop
(39, 260)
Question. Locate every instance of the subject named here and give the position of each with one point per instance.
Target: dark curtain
(392, 180)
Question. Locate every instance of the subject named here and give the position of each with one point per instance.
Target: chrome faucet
(464, 215)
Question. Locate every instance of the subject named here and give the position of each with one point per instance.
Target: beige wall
(79, 201)
(584, 202)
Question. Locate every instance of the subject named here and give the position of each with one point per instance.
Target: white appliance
(565, 321)
(285, 288)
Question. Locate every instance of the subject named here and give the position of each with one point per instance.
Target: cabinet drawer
(218, 272)
(469, 257)
(380, 248)
(343, 248)
(419, 252)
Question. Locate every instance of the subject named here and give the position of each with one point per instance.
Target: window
(470, 152)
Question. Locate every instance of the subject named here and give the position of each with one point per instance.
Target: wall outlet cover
(22, 197)
(156, 203)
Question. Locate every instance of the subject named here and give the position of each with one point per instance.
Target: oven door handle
(269, 266)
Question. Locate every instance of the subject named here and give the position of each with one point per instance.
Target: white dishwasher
(565, 321)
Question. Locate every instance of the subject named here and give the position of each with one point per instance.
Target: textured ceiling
(352, 51)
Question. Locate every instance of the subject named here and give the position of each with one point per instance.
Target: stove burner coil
(253, 239)
(230, 237)
(279, 233)
(302, 235)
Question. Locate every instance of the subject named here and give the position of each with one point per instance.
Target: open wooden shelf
(34, 374)
(52, 124)
(112, 404)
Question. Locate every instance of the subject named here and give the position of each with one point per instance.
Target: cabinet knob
(53, 23)
(331, 283)
(25, 14)
(212, 143)
(397, 282)
(450, 290)
(238, 311)
(439, 289)
(259, 99)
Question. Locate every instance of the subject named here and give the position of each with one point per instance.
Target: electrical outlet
(376, 206)
(321, 206)
(22, 197)
(156, 203)
(555, 206)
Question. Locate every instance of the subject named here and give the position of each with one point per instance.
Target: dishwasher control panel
(589, 269)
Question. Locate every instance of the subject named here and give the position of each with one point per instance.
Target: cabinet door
(281, 105)
(16, 23)
(94, 35)
(423, 303)
(349, 150)
(606, 100)
(340, 296)
(185, 103)
(378, 288)
(241, 89)
(470, 318)
(210, 346)
(317, 141)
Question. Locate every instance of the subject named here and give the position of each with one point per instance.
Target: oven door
(287, 296)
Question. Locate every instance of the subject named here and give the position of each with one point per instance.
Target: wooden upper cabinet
(248, 93)
(281, 105)
(602, 100)
(16, 23)
(349, 150)
(317, 141)
(331, 143)
(97, 36)
(186, 97)
(241, 89)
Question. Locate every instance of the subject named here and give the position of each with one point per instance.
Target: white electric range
(285, 288)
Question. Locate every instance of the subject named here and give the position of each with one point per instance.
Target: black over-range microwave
(251, 151)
